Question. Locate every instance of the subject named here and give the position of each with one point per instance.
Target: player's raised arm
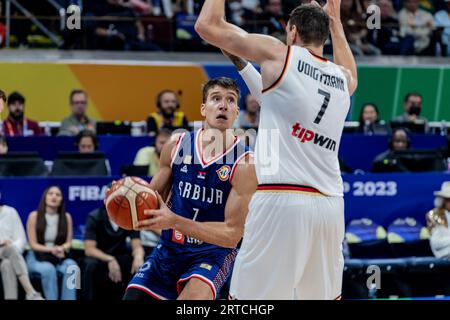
(342, 54)
(213, 28)
(248, 72)
(225, 234)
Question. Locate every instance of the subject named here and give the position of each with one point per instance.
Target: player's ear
(202, 110)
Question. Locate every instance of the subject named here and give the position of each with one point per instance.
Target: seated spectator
(149, 156)
(167, 115)
(369, 120)
(2, 100)
(417, 23)
(87, 142)
(387, 36)
(386, 162)
(17, 124)
(12, 264)
(437, 223)
(78, 120)
(442, 22)
(249, 118)
(355, 29)
(3, 145)
(108, 258)
(50, 233)
(412, 105)
(272, 20)
(123, 31)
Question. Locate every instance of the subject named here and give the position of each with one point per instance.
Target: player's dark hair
(312, 24)
(16, 97)
(223, 82)
(163, 132)
(76, 91)
(2, 95)
(89, 134)
(41, 223)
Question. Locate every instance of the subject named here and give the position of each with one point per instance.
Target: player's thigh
(196, 289)
(322, 276)
(267, 264)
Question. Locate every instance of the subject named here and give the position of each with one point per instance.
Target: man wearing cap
(437, 223)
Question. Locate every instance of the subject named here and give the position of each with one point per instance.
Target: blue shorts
(167, 270)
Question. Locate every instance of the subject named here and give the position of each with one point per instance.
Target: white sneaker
(34, 296)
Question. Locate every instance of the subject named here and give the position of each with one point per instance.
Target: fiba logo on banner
(87, 193)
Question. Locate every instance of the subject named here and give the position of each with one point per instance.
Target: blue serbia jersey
(200, 190)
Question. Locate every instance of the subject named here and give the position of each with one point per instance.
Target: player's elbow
(201, 27)
(233, 238)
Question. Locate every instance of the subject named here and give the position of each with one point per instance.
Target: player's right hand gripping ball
(127, 199)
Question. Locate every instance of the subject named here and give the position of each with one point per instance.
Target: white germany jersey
(301, 122)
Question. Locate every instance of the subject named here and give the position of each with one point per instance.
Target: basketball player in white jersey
(295, 226)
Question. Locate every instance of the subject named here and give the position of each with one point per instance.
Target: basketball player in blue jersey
(208, 178)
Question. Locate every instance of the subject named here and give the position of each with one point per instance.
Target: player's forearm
(253, 80)
(218, 233)
(342, 54)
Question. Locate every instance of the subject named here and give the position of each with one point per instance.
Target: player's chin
(222, 124)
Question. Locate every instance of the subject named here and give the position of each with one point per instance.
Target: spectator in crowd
(87, 142)
(124, 31)
(50, 233)
(412, 105)
(3, 145)
(168, 116)
(387, 36)
(355, 29)
(272, 20)
(17, 124)
(108, 258)
(369, 120)
(249, 118)
(417, 23)
(78, 120)
(437, 223)
(442, 21)
(386, 161)
(12, 264)
(2, 100)
(149, 156)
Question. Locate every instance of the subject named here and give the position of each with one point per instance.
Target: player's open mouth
(221, 116)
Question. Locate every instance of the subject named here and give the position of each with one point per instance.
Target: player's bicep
(250, 46)
(244, 186)
(253, 80)
(163, 177)
(352, 81)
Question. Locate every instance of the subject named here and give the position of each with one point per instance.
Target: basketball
(127, 199)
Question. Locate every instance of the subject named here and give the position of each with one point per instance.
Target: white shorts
(292, 248)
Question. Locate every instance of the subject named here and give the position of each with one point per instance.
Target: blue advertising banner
(381, 197)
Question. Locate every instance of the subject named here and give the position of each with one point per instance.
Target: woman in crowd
(50, 237)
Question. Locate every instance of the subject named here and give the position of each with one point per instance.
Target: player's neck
(51, 210)
(216, 141)
(318, 51)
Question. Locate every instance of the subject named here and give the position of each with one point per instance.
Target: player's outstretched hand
(162, 218)
(333, 9)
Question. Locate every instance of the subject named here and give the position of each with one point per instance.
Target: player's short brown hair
(223, 82)
(312, 22)
(2, 96)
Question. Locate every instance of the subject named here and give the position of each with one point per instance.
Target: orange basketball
(127, 199)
